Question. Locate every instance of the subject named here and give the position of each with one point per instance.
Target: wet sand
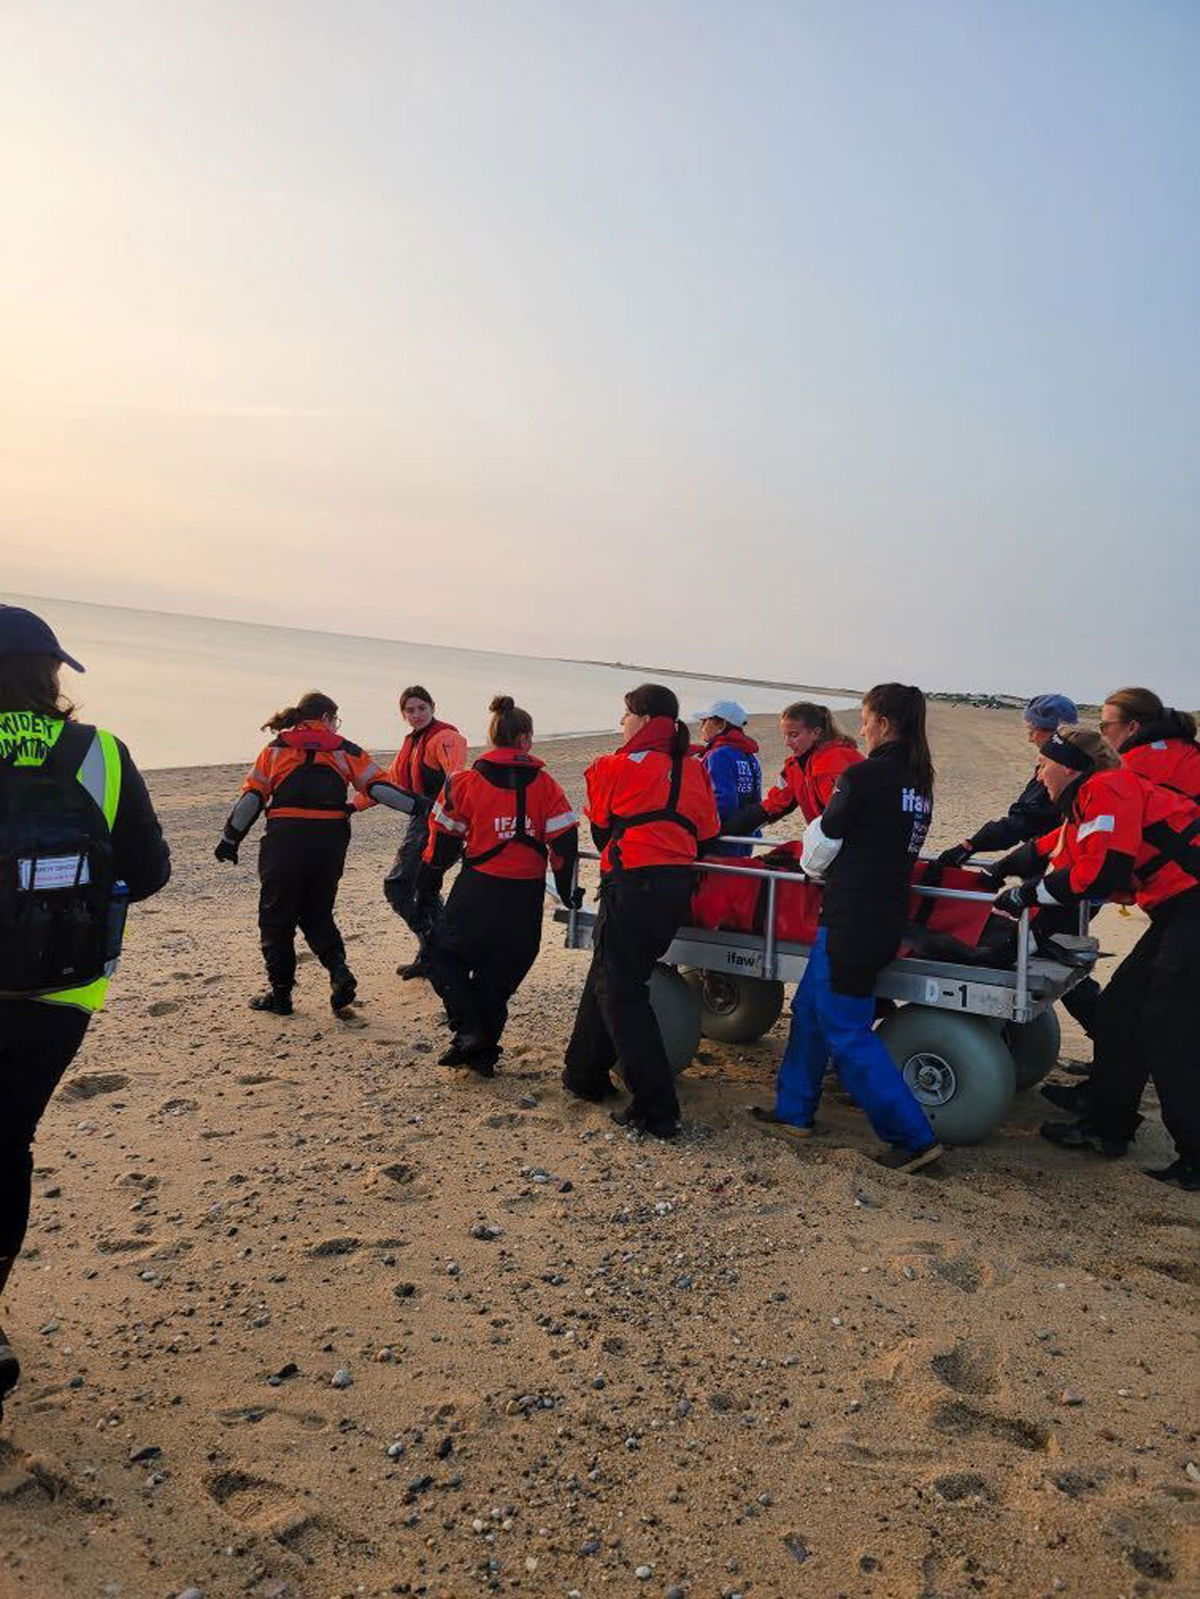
(303, 1314)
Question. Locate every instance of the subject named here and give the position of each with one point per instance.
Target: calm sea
(191, 691)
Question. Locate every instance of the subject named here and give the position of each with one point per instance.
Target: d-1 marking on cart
(967, 1038)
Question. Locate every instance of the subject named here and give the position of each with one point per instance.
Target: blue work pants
(829, 1025)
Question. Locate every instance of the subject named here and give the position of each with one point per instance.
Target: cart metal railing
(982, 990)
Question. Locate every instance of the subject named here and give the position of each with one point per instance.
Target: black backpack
(61, 910)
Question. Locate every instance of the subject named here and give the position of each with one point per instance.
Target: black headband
(1066, 753)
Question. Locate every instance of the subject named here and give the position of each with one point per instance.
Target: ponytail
(656, 699)
(509, 723)
(311, 707)
(1142, 705)
(903, 706)
(817, 717)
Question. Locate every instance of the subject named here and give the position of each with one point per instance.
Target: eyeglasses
(1113, 722)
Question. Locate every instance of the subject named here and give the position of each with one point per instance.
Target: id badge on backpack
(48, 872)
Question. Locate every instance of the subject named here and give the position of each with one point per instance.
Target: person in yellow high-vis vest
(79, 841)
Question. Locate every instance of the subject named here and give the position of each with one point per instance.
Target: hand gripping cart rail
(967, 1038)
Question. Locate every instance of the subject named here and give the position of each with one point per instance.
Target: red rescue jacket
(1123, 839)
(305, 774)
(1173, 762)
(648, 807)
(425, 760)
(506, 815)
(807, 780)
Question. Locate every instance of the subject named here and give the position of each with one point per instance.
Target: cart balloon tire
(676, 1007)
(1034, 1047)
(959, 1068)
(735, 1010)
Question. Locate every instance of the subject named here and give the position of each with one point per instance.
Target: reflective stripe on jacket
(1124, 839)
(307, 772)
(507, 815)
(623, 787)
(1173, 762)
(27, 738)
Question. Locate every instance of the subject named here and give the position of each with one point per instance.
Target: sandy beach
(304, 1315)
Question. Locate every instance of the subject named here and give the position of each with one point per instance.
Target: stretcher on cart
(966, 1037)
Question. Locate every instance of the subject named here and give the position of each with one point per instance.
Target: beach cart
(966, 1037)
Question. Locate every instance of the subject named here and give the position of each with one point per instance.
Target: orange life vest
(1125, 839)
(306, 773)
(806, 781)
(507, 813)
(655, 807)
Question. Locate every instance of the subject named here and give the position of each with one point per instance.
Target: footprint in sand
(88, 1084)
(22, 1475)
(961, 1420)
(969, 1368)
(251, 1415)
(142, 1247)
(954, 1486)
(271, 1511)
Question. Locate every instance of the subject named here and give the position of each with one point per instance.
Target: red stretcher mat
(739, 904)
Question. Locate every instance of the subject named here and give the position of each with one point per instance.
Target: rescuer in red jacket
(431, 751)
(506, 818)
(1157, 743)
(1125, 839)
(818, 752)
(652, 812)
(302, 780)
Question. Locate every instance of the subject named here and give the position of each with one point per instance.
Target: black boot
(343, 986)
(276, 1000)
(10, 1366)
(607, 1090)
(1074, 1097)
(1081, 1135)
(1185, 1173)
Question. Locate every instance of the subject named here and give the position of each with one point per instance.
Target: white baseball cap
(727, 710)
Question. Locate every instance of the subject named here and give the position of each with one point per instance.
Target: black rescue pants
(1148, 1025)
(640, 913)
(400, 885)
(37, 1044)
(300, 865)
(482, 947)
(1081, 1001)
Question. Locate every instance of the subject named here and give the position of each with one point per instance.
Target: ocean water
(193, 691)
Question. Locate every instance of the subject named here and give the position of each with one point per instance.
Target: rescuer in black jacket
(1032, 815)
(863, 846)
(70, 796)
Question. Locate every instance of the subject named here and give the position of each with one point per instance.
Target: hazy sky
(833, 341)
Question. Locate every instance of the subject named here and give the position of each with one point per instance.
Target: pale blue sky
(832, 342)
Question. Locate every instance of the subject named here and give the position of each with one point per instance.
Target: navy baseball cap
(1048, 711)
(23, 633)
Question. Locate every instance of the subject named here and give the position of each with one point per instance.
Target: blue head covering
(1048, 711)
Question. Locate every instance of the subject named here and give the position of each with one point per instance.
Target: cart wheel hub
(720, 996)
(931, 1079)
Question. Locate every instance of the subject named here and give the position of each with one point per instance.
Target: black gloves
(957, 854)
(1012, 901)
(227, 850)
(572, 898)
(427, 887)
(744, 820)
(1024, 861)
